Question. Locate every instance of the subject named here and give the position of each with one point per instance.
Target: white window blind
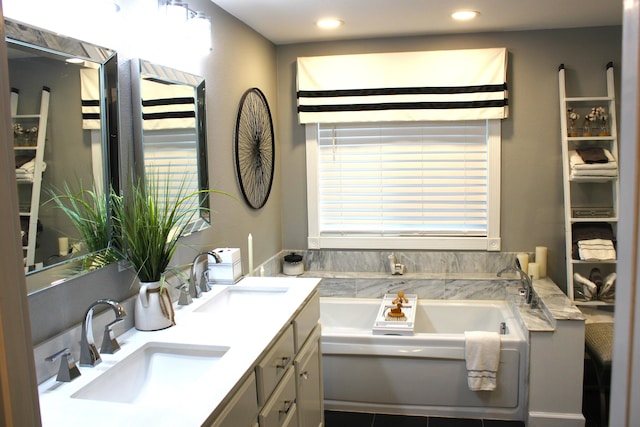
(402, 185)
(170, 155)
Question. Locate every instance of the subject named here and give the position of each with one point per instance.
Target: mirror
(64, 105)
(170, 131)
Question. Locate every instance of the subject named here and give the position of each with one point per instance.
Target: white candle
(534, 270)
(523, 258)
(541, 260)
(63, 246)
(250, 252)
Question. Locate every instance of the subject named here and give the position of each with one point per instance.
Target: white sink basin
(154, 372)
(242, 298)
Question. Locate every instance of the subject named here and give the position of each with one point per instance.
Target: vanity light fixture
(329, 23)
(175, 11)
(200, 28)
(465, 15)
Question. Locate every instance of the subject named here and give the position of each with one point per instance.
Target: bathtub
(425, 373)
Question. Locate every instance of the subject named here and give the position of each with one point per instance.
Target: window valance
(404, 86)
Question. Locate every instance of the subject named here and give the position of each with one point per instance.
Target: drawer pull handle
(287, 406)
(304, 375)
(284, 362)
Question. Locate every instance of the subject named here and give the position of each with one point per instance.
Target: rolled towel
(482, 356)
(589, 289)
(596, 277)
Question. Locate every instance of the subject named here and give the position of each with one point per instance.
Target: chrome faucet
(197, 285)
(395, 267)
(526, 282)
(89, 355)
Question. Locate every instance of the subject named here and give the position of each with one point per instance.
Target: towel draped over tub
(482, 356)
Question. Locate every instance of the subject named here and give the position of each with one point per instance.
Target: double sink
(158, 368)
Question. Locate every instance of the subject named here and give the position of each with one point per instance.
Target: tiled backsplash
(433, 275)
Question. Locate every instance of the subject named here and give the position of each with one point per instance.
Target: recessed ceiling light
(329, 23)
(74, 60)
(464, 15)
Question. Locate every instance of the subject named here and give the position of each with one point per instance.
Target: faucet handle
(109, 342)
(68, 370)
(185, 296)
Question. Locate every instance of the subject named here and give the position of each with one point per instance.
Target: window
(404, 185)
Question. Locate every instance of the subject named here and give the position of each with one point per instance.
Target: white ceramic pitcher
(154, 309)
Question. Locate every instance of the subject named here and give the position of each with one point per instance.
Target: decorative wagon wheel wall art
(254, 148)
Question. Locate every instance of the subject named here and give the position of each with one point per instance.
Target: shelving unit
(35, 149)
(590, 201)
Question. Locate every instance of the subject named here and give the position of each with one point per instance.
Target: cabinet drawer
(272, 367)
(242, 411)
(308, 318)
(280, 409)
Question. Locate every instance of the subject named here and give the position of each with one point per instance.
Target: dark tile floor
(352, 419)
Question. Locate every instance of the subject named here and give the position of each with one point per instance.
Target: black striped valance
(90, 95)
(439, 85)
(167, 106)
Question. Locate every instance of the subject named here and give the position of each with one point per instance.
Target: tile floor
(352, 419)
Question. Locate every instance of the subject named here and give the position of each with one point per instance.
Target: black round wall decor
(254, 148)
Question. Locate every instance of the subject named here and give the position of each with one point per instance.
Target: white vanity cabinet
(286, 385)
(309, 390)
(242, 410)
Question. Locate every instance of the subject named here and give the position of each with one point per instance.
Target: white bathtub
(422, 374)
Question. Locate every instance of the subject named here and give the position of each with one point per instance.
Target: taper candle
(541, 260)
(250, 252)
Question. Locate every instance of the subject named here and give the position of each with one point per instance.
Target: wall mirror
(64, 104)
(170, 131)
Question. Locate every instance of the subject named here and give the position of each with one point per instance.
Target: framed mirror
(170, 131)
(64, 106)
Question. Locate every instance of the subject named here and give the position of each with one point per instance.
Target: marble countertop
(245, 336)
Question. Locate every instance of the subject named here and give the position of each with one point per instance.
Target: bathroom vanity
(242, 355)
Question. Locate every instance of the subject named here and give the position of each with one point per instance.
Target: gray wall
(532, 199)
(240, 59)
(532, 182)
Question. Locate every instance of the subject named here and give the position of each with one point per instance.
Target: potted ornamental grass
(88, 210)
(149, 218)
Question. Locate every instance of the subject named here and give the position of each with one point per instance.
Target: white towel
(596, 249)
(576, 162)
(482, 355)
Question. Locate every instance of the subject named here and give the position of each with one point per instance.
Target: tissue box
(229, 270)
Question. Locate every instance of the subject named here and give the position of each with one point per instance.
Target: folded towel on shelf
(577, 162)
(592, 155)
(596, 249)
(27, 169)
(482, 356)
(593, 173)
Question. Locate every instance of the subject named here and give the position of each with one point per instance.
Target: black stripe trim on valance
(90, 116)
(402, 91)
(90, 103)
(167, 101)
(169, 115)
(404, 106)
